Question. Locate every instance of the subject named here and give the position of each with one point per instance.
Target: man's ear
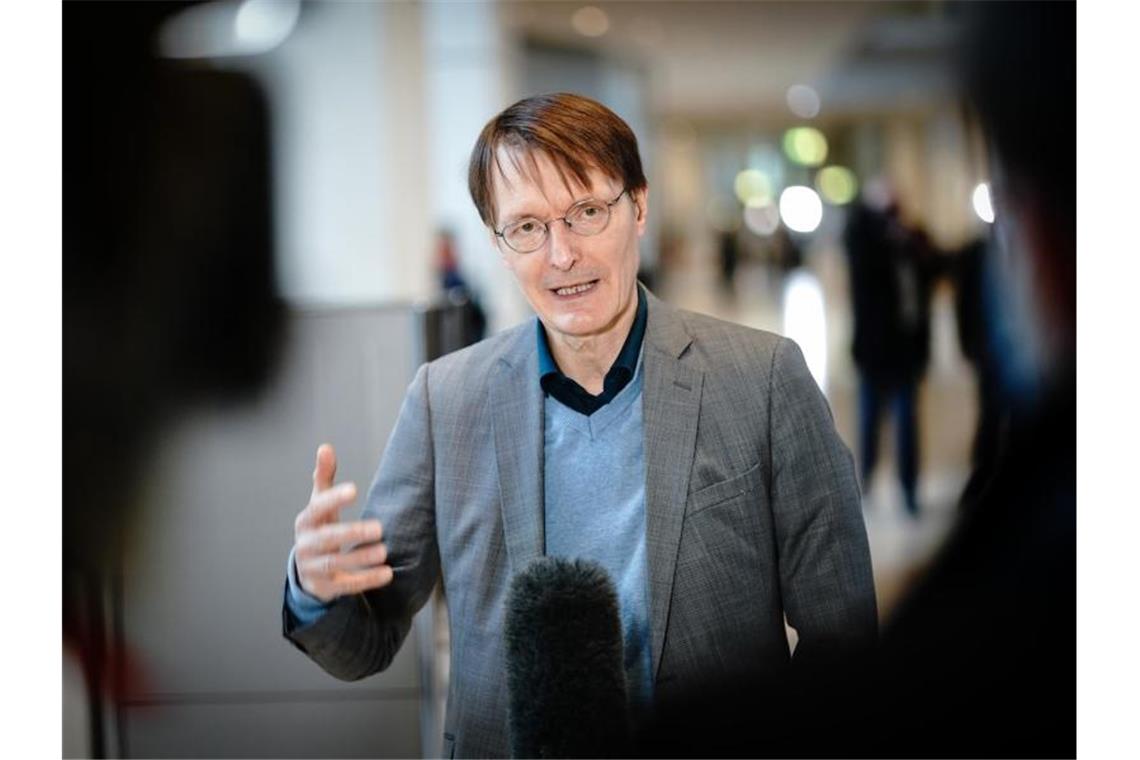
(641, 203)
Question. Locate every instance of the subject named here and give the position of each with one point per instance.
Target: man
(891, 275)
(695, 460)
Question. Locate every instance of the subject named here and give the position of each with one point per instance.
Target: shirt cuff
(305, 607)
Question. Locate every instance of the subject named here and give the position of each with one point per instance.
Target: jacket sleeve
(359, 635)
(302, 606)
(824, 558)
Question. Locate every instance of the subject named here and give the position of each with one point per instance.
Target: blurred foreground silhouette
(168, 287)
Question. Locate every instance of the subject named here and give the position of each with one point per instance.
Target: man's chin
(573, 328)
(573, 325)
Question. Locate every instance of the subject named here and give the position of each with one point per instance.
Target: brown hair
(577, 133)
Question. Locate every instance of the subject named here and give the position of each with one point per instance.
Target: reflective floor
(760, 297)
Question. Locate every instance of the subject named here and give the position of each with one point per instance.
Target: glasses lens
(525, 235)
(589, 218)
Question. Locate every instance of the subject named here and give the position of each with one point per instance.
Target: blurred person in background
(786, 254)
(695, 460)
(729, 251)
(890, 294)
(168, 290)
(457, 291)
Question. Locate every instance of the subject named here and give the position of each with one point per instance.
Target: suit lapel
(671, 407)
(517, 418)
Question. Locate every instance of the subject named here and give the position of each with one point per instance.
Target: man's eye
(588, 213)
(526, 227)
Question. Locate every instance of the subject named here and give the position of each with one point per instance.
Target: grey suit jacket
(752, 513)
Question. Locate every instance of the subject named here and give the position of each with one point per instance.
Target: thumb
(325, 470)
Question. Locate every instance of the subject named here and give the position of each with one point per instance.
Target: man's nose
(562, 245)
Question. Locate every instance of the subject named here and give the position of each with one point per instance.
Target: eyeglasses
(588, 217)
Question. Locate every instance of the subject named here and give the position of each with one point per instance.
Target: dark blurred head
(169, 293)
(1018, 62)
(575, 132)
(880, 195)
(1018, 67)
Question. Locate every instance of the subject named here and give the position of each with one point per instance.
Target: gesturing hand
(334, 558)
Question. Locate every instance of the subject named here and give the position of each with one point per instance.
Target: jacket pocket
(714, 494)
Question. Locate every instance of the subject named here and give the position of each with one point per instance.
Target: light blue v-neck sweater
(595, 509)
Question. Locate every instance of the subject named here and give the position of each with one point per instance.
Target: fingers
(367, 557)
(328, 586)
(332, 538)
(326, 570)
(322, 579)
(325, 470)
(324, 506)
(348, 583)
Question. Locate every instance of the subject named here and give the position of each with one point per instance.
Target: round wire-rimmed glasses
(587, 217)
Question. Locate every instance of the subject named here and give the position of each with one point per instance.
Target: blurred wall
(354, 213)
(202, 586)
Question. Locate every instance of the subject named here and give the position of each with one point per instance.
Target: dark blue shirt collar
(568, 392)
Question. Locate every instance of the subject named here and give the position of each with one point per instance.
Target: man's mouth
(573, 290)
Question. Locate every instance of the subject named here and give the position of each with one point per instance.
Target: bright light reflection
(805, 321)
(837, 184)
(800, 208)
(224, 29)
(805, 145)
(264, 24)
(762, 218)
(803, 101)
(590, 21)
(753, 186)
(983, 203)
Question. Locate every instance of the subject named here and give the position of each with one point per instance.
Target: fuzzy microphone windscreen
(565, 672)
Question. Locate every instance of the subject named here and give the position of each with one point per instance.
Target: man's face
(578, 286)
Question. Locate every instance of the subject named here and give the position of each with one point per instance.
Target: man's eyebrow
(526, 213)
